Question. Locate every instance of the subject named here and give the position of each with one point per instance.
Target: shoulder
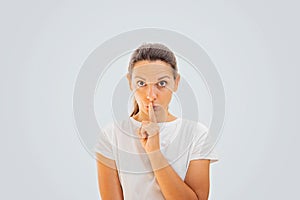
(116, 126)
(196, 125)
(196, 128)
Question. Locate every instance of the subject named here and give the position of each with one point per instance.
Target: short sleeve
(203, 147)
(104, 142)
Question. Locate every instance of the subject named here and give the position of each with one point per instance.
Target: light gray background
(254, 45)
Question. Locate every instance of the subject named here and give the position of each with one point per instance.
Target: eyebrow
(139, 77)
(157, 79)
(164, 77)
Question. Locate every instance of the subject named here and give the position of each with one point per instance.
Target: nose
(151, 93)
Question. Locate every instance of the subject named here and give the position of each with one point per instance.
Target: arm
(108, 179)
(195, 186)
(197, 177)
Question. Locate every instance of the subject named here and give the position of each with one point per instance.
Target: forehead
(152, 69)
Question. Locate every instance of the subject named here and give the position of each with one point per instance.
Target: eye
(162, 83)
(140, 83)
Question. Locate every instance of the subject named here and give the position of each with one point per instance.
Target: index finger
(151, 113)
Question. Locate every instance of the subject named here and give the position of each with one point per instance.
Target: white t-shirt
(181, 141)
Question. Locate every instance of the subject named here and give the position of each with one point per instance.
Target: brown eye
(140, 83)
(162, 83)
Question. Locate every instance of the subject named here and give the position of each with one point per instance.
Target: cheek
(166, 96)
(139, 95)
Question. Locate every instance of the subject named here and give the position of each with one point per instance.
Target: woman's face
(153, 81)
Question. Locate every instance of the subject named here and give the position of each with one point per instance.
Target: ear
(129, 80)
(177, 80)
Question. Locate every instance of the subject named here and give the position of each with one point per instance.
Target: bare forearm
(171, 185)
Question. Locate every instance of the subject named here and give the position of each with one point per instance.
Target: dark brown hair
(151, 52)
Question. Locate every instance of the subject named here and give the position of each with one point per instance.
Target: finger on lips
(148, 128)
(151, 113)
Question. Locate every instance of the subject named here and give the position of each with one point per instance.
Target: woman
(154, 154)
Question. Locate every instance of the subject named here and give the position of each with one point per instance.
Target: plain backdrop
(254, 45)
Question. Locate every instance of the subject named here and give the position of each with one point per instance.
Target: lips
(154, 106)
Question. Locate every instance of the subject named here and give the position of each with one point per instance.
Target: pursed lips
(154, 106)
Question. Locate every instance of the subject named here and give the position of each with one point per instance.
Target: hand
(149, 132)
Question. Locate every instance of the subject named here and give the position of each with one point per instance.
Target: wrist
(157, 160)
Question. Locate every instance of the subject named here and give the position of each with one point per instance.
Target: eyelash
(158, 83)
(163, 82)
